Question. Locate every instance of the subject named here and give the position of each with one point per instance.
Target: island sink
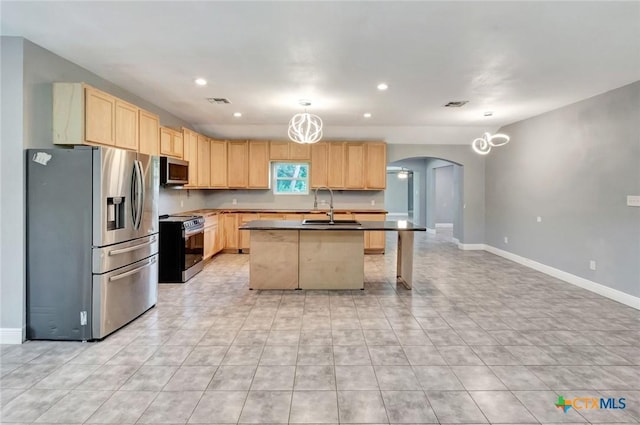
(324, 222)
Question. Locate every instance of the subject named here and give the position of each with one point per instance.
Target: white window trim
(275, 178)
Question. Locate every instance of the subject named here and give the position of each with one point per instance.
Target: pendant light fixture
(482, 145)
(305, 127)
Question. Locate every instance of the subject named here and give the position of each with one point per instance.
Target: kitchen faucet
(315, 201)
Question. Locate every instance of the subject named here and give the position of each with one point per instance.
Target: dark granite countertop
(364, 225)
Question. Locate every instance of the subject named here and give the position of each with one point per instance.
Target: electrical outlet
(592, 264)
(234, 201)
(181, 203)
(539, 219)
(633, 201)
(373, 202)
(506, 239)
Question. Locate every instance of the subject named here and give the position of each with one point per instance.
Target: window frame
(275, 178)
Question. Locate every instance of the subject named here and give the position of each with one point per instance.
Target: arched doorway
(431, 194)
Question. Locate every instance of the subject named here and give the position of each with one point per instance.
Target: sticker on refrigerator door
(83, 318)
(41, 158)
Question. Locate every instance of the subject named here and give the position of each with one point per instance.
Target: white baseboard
(587, 284)
(469, 246)
(431, 231)
(10, 336)
(444, 225)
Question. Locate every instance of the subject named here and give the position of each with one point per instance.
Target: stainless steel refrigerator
(92, 240)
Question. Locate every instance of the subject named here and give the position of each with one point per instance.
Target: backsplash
(266, 199)
(174, 200)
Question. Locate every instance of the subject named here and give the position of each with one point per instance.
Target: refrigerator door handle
(142, 194)
(137, 189)
(134, 195)
(132, 248)
(130, 272)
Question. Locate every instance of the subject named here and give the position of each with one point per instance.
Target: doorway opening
(427, 191)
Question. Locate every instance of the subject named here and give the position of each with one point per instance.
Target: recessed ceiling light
(237, 114)
(201, 81)
(488, 114)
(382, 86)
(366, 115)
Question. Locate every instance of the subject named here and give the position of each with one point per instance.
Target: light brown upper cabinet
(84, 115)
(149, 133)
(218, 164)
(237, 164)
(204, 159)
(171, 143)
(289, 151)
(278, 151)
(319, 172)
(375, 165)
(299, 151)
(335, 165)
(258, 164)
(126, 125)
(100, 117)
(354, 166)
(190, 140)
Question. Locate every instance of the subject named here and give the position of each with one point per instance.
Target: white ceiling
(517, 59)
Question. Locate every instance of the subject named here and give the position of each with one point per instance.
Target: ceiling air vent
(219, 100)
(456, 104)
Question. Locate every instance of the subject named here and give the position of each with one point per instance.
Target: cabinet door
(218, 163)
(209, 240)
(299, 151)
(278, 151)
(204, 155)
(258, 164)
(100, 110)
(376, 165)
(165, 142)
(126, 125)
(237, 164)
(354, 166)
(219, 238)
(230, 230)
(245, 235)
(178, 145)
(319, 161)
(335, 165)
(374, 241)
(149, 135)
(191, 155)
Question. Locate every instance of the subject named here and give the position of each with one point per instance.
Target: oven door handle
(130, 272)
(132, 248)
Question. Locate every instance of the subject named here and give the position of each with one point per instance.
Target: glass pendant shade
(305, 128)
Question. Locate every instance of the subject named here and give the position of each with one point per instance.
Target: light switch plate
(539, 219)
(633, 200)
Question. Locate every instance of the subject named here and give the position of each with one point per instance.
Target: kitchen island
(293, 255)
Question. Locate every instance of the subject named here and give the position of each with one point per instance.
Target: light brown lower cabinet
(230, 221)
(235, 240)
(213, 232)
(245, 238)
(374, 241)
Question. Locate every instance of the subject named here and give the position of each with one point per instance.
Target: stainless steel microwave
(173, 171)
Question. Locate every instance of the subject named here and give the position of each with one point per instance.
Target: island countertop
(364, 225)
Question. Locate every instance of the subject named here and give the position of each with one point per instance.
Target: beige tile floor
(479, 340)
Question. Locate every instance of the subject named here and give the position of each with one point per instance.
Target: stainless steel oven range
(181, 247)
